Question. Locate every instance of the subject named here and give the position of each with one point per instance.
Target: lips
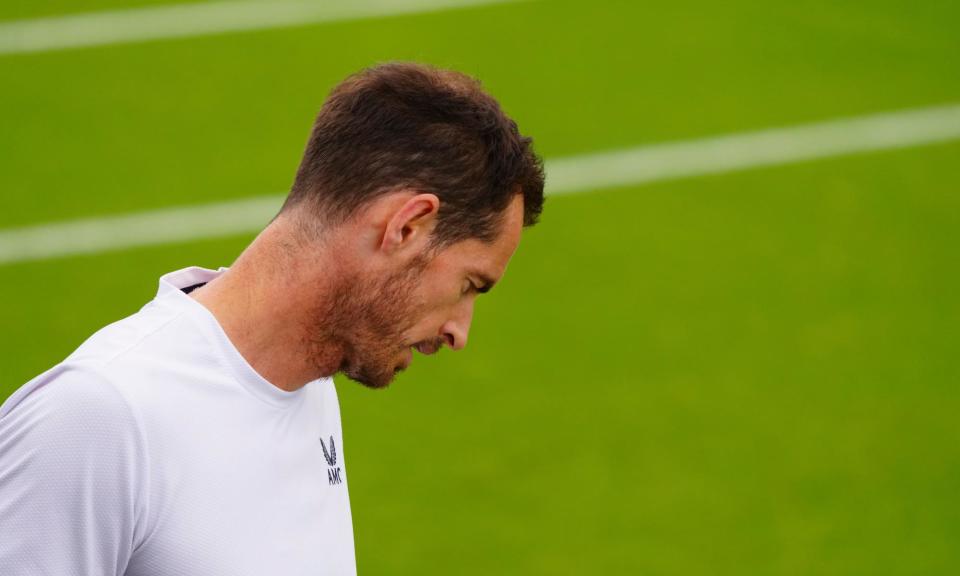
(427, 348)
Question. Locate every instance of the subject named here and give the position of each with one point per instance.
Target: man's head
(419, 185)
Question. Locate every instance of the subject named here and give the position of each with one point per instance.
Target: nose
(456, 329)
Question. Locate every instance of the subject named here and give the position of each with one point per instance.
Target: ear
(411, 224)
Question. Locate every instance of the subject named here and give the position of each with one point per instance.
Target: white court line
(755, 149)
(564, 176)
(200, 19)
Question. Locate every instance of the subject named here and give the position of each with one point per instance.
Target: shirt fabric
(155, 449)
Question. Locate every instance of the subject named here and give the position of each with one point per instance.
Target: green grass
(752, 373)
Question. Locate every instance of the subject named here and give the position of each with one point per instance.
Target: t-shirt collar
(171, 287)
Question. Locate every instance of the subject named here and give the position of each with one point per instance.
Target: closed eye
(484, 286)
(470, 286)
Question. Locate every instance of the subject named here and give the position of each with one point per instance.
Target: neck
(259, 303)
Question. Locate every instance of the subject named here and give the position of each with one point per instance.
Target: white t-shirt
(155, 449)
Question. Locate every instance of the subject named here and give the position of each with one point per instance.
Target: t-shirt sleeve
(72, 467)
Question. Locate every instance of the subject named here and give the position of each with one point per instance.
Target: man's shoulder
(108, 371)
(70, 402)
(74, 465)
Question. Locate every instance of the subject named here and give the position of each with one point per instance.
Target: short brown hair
(411, 125)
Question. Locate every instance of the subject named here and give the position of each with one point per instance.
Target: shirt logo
(333, 472)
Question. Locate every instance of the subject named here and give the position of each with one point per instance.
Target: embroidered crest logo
(330, 455)
(333, 472)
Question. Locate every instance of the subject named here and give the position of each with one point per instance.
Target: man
(202, 434)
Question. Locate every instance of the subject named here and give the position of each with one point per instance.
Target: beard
(364, 322)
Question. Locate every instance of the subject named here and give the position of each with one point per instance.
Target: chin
(380, 379)
(378, 371)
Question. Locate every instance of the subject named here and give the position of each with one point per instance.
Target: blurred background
(752, 371)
